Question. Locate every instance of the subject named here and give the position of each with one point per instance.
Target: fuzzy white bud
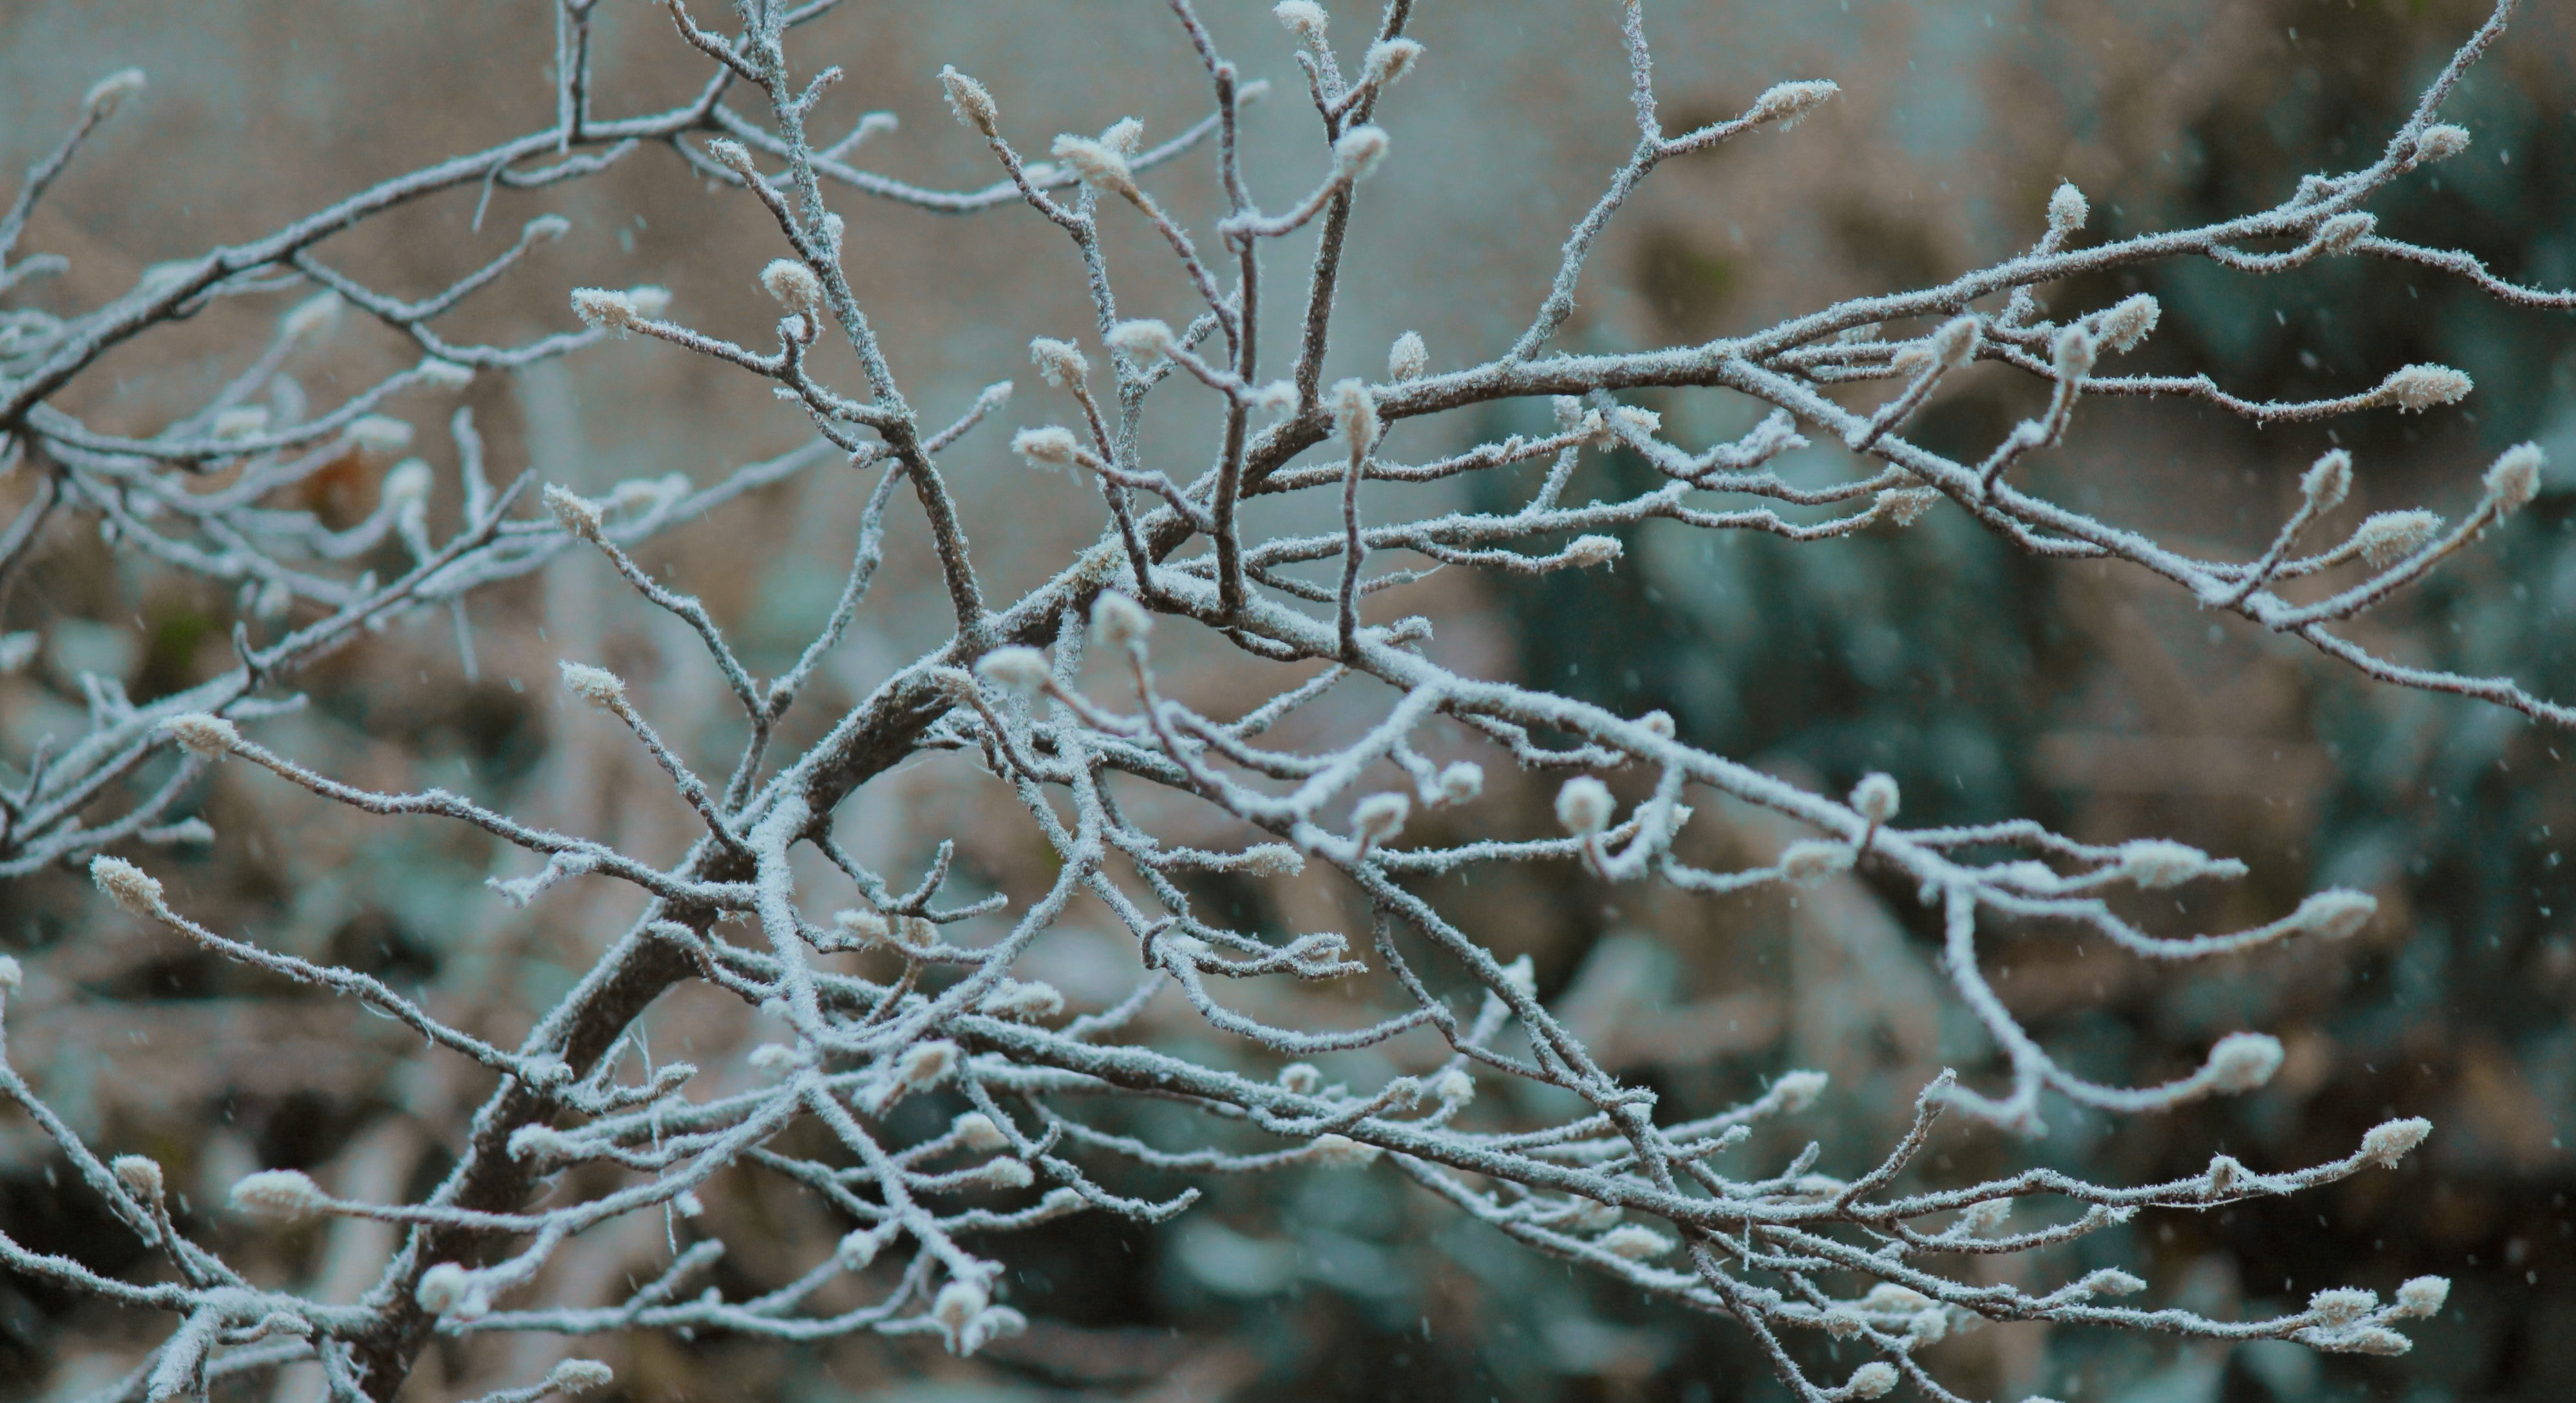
(1355, 415)
(2074, 353)
(580, 1376)
(1658, 724)
(733, 156)
(1099, 166)
(1053, 446)
(2129, 320)
(925, 1065)
(1460, 781)
(649, 301)
(2156, 863)
(2342, 1305)
(408, 481)
(140, 1176)
(1059, 363)
(600, 307)
(2391, 1141)
(1144, 339)
(1521, 976)
(1586, 552)
(443, 1288)
(595, 685)
(976, 1131)
(1955, 344)
(288, 1195)
(205, 736)
(1875, 797)
(1635, 1243)
(2440, 142)
(576, 514)
(1119, 622)
(2327, 482)
(444, 374)
(1799, 1090)
(12, 974)
(1020, 671)
(2515, 478)
(1986, 1215)
(2423, 1296)
(2386, 538)
(1812, 860)
(2067, 208)
(1272, 860)
(1301, 1078)
(1874, 1379)
(1380, 817)
(1027, 1001)
(1408, 358)
(973, 106)
(1789, 103)
(1007, 1173)
(2111, 1281)
(1126, 136)
(2336, 913)
(794, 287)
(1303, 18)
(1390, 59)
(110, 92)
(1584, 805)
(1454, 1086)
(240, 421)
(380, 434)
(134, 890)
(957, 1303)
(548, 227)
(317, 313)
(1343, 1152)
(2339, 235)
(1357, 154)
(2417, 388)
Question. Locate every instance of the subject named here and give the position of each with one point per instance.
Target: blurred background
(1990, 685)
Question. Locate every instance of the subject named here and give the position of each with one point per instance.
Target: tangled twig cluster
(1870, 1257)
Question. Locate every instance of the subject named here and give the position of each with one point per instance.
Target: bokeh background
(1990, 685)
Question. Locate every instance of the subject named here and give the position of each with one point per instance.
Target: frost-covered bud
(2243, 1061)
(1928, 1327)
(2327, 482)
(1585, 552)
(240, 421)
(1380, 817)
(1888, 1296)
(2391, 1141)
(595, 685)
(576, 514)
(1355, 415)
(1007, 1173)
(1303, 18)
(580, 1376)
(2111, 1281)
(1407, 358)
(1389, 60)
(1955, 344)
(1631, 421)
(11, 974)
(1460, 781)
(1342, 1152)
(1277, 397)
(443, 1288)
(1658, 724)
(1584, 805)
(2156, 863)
(2129, 321)
(2416, 388)
(2386, 538)
(538, 1142)
(1799, 1090)
(2366, 1339)
(1521, 976)
(973, 106)
(1145, 339)
(444, 374)
(856, 1250)
(2515, 478)
(1356, 155)
(110, 92)
(1096, 163)
(1301, 1078)
(205, 736)
(140, 1176)
(650, 301)
(1053, 446)
(1272, 860)
(1789, 103)
(1812, 860)
(408, 481)
(2338, 235)
(1027, 1001)
(2067, 208)
(1634, 1243)
(2440, 142)
(316, 313)
(1017, 670)
(1126, 136)
(925, 1065)
(2342, 1305)
(1872, 1380)
(2336, 913)
(1454, 1087)
(733, 156)
(380, 434)
(862, 927)
(548, 227)
(129, 886)
(2423, 1296)
(976, 1131)
(958, 1302)
(1906, 505)
(1986, 1215)
(288, 1195)
(2074, 353)
(772, 1058)
(1119, 622)
(600, 307)
(1059, 363)
(794, 287)
(1874, 798)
